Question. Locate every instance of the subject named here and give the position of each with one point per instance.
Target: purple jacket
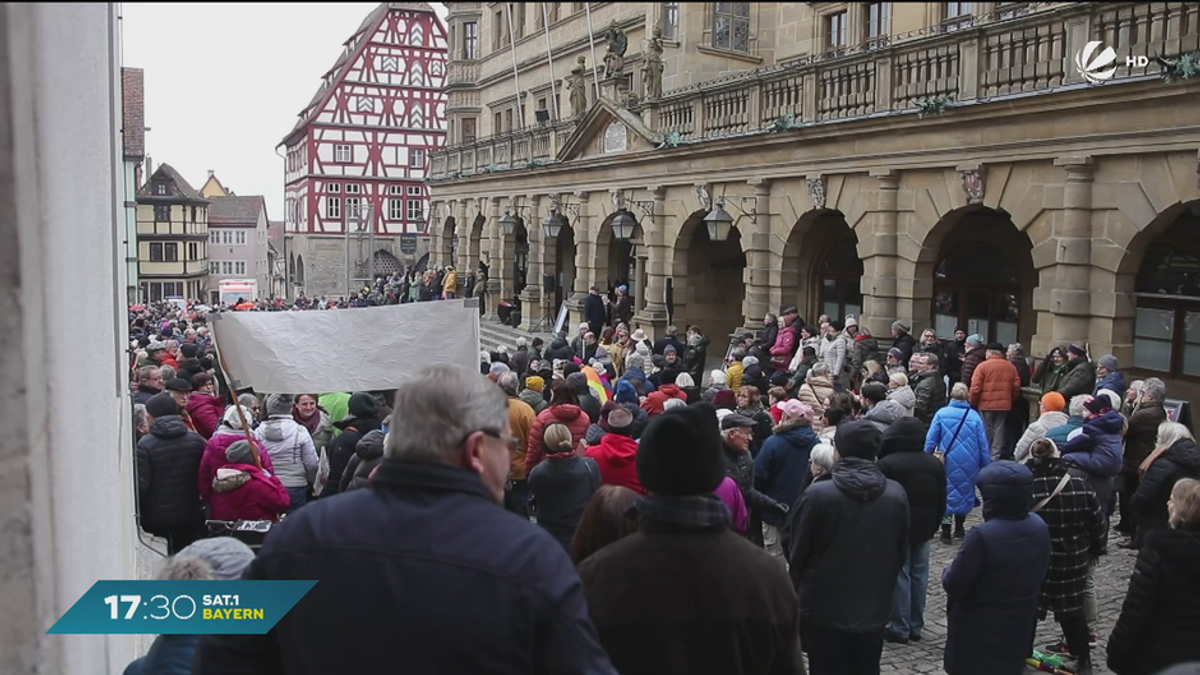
(732, 496)
(1097, 448)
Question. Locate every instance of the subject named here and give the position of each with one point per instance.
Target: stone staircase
(493, 333)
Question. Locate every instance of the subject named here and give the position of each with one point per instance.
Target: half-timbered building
(356, 203)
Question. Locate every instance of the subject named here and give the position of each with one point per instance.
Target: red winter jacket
(242, 492)
(616, 457)
(784, 348)
(214, 458)
(564, 413)
(206, 411)
(653, 405)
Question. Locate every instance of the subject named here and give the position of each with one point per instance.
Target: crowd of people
(774, 515)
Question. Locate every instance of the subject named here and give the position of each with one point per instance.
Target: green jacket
(337, 404)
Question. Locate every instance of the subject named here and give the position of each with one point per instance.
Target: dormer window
(161, 188)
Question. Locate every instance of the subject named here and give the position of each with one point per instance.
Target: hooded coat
(783, 348)
(923, 477)
(906, 397)
(206, 412)
(884, 413)
(1080, 378)
(534, 399)
(864, 347)
(1048, 376)
(1078, 530)
(839, 587)
(353, 429)
(564, 413)
(782, 463)
(563, 485)
(1095, 453)
(906, 344)
(971, 360)
(966, 454)
(368, 453)
(1114, 381)
(814, 392)
(1050, 419)
(242, 492)
(559, 349)
(833, 353)
(994, 583)
(616, 457)
(291, 450)
(1181, 460)
(1160, 618)
(168, 459)
(653, 405)
(214, 458)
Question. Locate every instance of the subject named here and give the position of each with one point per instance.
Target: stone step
(492, 334)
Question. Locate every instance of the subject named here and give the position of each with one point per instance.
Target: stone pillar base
(492, 303)
(531, 308)
(652, 320)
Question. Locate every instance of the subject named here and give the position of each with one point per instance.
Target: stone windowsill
(729, 53)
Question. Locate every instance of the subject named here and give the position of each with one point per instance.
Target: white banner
(364, 349)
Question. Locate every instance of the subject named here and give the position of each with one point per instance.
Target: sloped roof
(236, 210)
(183, 191)
(593, 123)
(351, 49)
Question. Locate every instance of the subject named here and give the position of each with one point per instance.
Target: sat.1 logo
(1099, 68)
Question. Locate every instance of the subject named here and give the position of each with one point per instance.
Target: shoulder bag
(1062, 484)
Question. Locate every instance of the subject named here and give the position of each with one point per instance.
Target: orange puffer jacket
(995, 384)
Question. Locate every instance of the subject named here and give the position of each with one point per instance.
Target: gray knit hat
(280, 404)
(239, 452)
(1110, 362)
(217, 558)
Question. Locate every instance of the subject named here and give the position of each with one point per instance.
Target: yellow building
(172, 228)
(976, 165)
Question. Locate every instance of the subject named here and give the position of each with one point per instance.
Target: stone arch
(615, 260)
(516, 253)
(958, 291)
(300, 270)
(558, 261)
(449, 242)
(474, 241)
(291, 270)
(708, 285)
(821, 266)
(385, 264)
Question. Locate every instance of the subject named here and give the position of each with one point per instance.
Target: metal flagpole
(550, 59)
(587, 7)
(512, 49)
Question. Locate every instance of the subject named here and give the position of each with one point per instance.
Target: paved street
(1112, 578)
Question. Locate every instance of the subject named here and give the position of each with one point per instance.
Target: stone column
(878, 249)
(1070, 294)
(507, 249)
(531, 297)
(653, 315)
(492, 245)
(757, 280)
(583, 270)
(462, 231)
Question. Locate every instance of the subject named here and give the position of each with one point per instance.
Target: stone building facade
(946, 164)
(172, 238)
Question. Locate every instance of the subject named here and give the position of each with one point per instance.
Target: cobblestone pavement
(1111, 581)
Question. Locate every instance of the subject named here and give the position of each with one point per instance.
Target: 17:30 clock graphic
(182, 607)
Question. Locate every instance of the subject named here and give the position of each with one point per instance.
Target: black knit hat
(905, 434)
(363, 405)
(680, 452)
(859, 439)
(161, 405)
(189, 350)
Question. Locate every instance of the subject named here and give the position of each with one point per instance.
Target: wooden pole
(236, 403)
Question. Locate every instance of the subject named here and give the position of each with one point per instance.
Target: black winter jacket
(1160, 619)
(740, 468)
(840, 588)
(923, 478)
(168, 461)
(343, 448)
(476, 589)
(1080, 379)
(1181, 460)
(368, 453)
(906, 344)
(930, 391)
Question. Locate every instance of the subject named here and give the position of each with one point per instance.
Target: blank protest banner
(363, 349)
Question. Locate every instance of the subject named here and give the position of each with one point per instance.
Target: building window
(333, 187)
(226, 267)
(468, 129)
(353, 189)
(414, 190)
(395, 209)
(170, 252)
(497, 123)
(161, 188)
(508, 120)
(162, 213)
(1166, 329)
(1008, 10)
(975, 287)
(333, 208)
(835, 31)
(670, 20)
(353, 208)
(365, 104)
(577, 6)
(518, 18)
(879, 23)
(414, 210)
(214, 267)
(390, 64)
(395, 190)
(731, 26)
(416, 158)
(239, 267)
(241, 237)
(470, 40)
(193, 251)
(214, 236)
(342, 153)
(957, 15)
(499, 30)
(841, 281)
(156, 251)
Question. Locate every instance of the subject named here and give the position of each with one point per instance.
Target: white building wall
(66, 495)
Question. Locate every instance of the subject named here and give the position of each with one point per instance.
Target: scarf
(690, 511)
(311, 422)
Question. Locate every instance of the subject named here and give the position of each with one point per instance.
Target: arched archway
(291, 270)
(982, 275)
(449, 242)
(474, 241)
(558, 261)
(516, 251)
(707, 279)
(822, 273)
(386, 264)
(300, 270)
(615, 260)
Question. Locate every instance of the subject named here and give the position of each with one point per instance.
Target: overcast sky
(225, 81)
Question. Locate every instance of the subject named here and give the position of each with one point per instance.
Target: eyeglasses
(513, 443)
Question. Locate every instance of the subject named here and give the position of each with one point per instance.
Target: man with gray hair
(519, 360)
(1140, 437)
(422, 566)
(150, 382)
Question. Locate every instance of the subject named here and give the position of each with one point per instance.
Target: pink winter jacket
(781, 352)
(214, 458)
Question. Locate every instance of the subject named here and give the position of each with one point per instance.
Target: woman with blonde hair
(1175, 456)
(562, 484)
(1158, 624)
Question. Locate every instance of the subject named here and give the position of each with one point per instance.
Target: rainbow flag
(599, 387)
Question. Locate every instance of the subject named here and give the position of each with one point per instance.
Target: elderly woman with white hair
(1145, 415)
(900, 392)
(1174, 457)
(716, 382)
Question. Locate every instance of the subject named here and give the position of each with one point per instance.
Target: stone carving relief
(704, 195)
(972, 185)
(616, 137)
(614, 58)
(816, 192)
(577, 84)
(652, 69)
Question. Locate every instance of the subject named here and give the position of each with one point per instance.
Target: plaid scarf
(690, 511)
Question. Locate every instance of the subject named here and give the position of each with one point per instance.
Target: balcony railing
(1028, 48)
(512, 149)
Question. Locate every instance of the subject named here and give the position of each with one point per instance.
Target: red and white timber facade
(358, 155)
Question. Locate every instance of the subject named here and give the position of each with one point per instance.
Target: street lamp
(508, 224)
(718, 222)
(623, 224)
(552, 225)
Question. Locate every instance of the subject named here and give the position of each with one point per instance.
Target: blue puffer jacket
(969, 453)
(1113, 381)
(1059, 434)
(1097, 449)
(782, 463)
